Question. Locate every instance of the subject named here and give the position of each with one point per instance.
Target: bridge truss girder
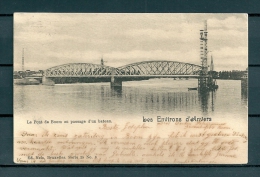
(79, 70)
(159, 68)
(146, 68)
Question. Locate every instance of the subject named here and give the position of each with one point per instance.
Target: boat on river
(193, 88)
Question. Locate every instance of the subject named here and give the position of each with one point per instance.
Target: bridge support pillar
(115, 82)
(206, 83)
(202, 84)
(47, 81)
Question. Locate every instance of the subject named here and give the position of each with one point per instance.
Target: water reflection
(146, 98)
(166, 101)
(207, 99)
(116, 91)
(204, 99)
(138, 100)
(213, 98)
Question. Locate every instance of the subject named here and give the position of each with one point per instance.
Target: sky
(51, 39)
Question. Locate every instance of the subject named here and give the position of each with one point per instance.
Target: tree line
(230, 75)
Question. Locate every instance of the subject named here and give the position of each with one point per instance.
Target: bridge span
(88, 72)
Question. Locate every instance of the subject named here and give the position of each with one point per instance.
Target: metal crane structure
(205, 81)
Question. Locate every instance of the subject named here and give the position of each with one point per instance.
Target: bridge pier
(115, 82)
(206, 83)
(202, 84)
(47, 81)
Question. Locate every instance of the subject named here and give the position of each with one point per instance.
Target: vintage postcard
(130, 88)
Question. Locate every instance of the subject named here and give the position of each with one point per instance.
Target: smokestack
(211, 64)
(23, 60)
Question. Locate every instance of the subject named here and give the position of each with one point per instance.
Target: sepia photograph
(106, 88)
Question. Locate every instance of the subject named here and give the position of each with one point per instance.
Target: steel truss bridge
(87, 72)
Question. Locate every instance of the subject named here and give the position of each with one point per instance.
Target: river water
(164, 97)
